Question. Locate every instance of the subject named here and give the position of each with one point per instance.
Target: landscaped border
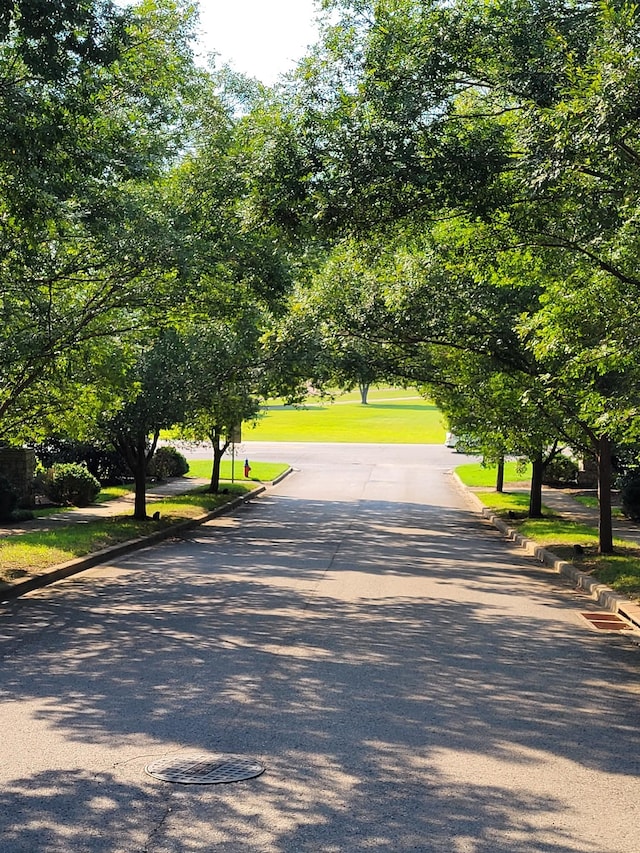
(599, 592)
(88, 561)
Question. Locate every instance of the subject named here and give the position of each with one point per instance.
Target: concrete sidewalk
(564, 502)
(95, 512)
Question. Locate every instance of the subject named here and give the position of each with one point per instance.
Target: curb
(80, 564)
(599, 592)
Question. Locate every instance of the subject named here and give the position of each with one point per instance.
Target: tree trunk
(134, 453)
(214, 485)
(364, 392)
(605, 527)
(140, 480)
(140, 458)
(500, 476)
(535, 496)
(218, 452)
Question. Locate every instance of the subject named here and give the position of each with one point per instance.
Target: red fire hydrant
(247, 469)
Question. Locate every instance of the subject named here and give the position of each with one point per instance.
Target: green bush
(101, 460)
(71, 484)
(167, 462)
(8, 499)
(560, 471)
(20, 515)
(630, 499)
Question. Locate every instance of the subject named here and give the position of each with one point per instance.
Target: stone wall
(18, 465)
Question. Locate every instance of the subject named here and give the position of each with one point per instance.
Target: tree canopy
(516, 124)
(442, 193)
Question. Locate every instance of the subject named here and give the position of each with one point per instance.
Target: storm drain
(204, 769)
(606, 622)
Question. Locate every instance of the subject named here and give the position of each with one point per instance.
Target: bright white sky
(261, 38)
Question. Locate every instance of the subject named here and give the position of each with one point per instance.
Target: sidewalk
(95, 512)
(564, 502)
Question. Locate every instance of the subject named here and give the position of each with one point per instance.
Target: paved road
(410, 683)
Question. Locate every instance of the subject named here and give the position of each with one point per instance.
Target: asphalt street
(409, 680)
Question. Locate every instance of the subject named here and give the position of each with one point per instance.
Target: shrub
(630, 499)
(71, 484)
(167, 462)
(20, 515)
(560, 471)
(101, 460)
(8, 499)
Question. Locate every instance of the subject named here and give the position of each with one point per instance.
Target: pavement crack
(156, 829)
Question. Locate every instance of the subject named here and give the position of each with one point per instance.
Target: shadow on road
(355, 704)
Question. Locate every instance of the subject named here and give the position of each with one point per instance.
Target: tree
(92, 111)
(586, 336)
(504, 413)
(235, 268)
(154, 397)
(224, 380)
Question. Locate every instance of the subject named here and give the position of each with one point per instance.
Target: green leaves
(86, 132)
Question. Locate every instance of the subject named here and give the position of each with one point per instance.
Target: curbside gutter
(80, 564)
(606, 597)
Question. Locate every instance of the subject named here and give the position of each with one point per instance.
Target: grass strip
(33, 551)
(112, 493)
(620, 571)
(477, 475)
(261, 472)
(200, 469)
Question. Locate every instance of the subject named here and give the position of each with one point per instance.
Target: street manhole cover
(204, 769)
(606, 622)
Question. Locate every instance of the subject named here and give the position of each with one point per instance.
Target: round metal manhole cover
(205, 769)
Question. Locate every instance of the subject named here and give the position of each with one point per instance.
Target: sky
(260, 38)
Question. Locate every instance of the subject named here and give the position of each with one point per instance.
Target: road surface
(408, 680)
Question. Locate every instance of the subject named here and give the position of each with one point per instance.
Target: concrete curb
(599, 592)
(80, 564)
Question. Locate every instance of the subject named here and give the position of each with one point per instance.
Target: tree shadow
(247, 638)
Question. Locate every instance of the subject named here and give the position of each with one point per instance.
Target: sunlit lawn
(112, 493)
(261, 472)
(476, 474)
(392, 416)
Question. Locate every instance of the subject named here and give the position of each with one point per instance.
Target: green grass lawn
(392, 416)
(112, 493)
(261, 472)
(475, 474)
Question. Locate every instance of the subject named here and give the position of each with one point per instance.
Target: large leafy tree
(153, 397)
(521, 117)
(234, 269)
(92, 111)
(225, 369)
